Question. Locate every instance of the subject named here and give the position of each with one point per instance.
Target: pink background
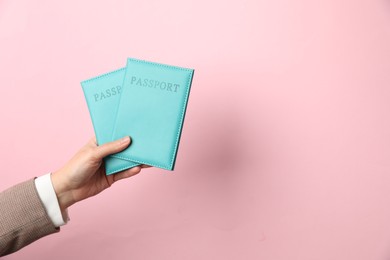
(285, 152)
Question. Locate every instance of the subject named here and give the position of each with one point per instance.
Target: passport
(102, 96)
(151, 110)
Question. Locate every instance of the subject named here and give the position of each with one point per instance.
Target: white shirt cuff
(50, 202)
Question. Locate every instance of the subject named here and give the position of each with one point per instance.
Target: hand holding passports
(146, 101)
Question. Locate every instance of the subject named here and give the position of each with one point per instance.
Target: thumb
(112, 147)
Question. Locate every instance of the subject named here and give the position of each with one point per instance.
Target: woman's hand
(84, 175)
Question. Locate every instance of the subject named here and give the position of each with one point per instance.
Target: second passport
(102, 94)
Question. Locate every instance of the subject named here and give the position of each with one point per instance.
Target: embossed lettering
(133, 79)
(107, 93)
(152, 83)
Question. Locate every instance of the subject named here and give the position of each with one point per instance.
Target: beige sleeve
(23, 218)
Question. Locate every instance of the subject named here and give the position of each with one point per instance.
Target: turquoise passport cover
(102, 94)
(151, 110)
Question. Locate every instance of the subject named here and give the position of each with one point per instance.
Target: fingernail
(125, 139)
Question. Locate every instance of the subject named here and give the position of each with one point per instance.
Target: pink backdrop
(285, 152)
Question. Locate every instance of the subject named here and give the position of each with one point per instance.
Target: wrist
(62, 190)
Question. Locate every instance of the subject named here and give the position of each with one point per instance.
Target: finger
(128, 173)
(112, 147)
(145, 166)
(92, 142)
